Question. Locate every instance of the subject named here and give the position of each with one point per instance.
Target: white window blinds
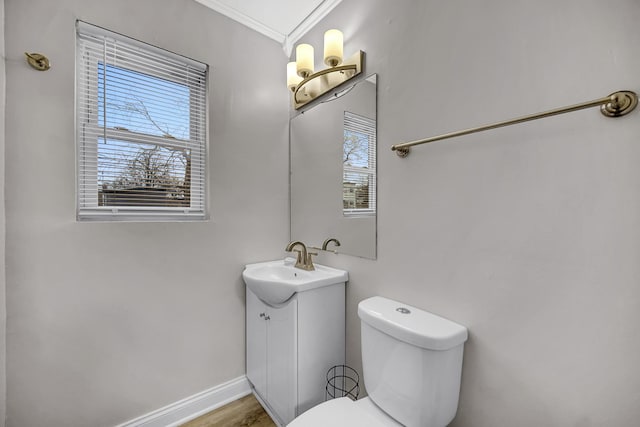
(359, 165)
(141, 130)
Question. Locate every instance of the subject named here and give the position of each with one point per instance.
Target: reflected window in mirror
(359, 165)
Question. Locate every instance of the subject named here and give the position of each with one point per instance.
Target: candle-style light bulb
(304, 60)
(293, 79)
(333, 46)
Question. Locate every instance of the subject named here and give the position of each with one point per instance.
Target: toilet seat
(344, 412)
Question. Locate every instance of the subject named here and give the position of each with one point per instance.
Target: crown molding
(286, 40)
(245, 20)
(308, 23)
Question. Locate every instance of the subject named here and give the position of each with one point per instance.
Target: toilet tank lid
(410, 324)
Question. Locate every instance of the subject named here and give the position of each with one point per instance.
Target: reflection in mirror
(333, 171)
(359, 165)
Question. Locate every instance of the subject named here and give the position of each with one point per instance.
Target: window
(141, 130)
(359, 165)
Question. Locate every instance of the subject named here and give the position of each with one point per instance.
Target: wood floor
(245, 412)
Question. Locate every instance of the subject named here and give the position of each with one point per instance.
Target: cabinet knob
(262, 314)
(267, 318)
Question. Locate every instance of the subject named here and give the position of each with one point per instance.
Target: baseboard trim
(192, 407)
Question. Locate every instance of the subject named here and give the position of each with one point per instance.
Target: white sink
(274, 282)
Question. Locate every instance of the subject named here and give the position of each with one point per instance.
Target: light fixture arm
(341, 68)
(327, 80)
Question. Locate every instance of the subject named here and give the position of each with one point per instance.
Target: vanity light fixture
(306, 84)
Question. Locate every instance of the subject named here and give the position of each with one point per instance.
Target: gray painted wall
(529, 235)
(3, 304)
(107, 321)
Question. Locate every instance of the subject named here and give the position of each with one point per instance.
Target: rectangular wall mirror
(333, 171)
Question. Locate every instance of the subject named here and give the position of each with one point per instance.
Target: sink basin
(274, 282)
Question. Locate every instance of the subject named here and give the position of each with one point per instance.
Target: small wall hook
(38, 61)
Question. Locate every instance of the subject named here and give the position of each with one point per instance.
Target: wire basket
(342, 381)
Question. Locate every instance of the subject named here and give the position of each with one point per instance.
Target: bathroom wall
(528, 235)
(3, 303)
(108, 321)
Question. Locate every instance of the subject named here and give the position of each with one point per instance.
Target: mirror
(333, 171)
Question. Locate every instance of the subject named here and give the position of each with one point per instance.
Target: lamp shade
(304, 59)
(292, 76)
(333, 46)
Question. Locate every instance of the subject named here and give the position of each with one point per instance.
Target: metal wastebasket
(342, 381)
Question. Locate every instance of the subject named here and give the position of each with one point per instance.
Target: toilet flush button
(403, 310)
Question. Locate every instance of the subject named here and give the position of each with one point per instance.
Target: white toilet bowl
(344, 412)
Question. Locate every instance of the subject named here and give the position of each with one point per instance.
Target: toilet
(412, 364)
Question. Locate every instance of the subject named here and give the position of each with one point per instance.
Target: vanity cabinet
(291, 346)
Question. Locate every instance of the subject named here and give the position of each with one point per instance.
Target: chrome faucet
(304, 260)
(329, 240)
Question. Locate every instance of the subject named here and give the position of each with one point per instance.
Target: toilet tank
(412, 362)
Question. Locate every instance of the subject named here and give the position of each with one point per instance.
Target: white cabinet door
(290, 348)
(282, 360)
(257, 344)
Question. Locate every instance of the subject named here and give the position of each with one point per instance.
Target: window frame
(89, 130)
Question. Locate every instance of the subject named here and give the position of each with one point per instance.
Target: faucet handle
(309, 262)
